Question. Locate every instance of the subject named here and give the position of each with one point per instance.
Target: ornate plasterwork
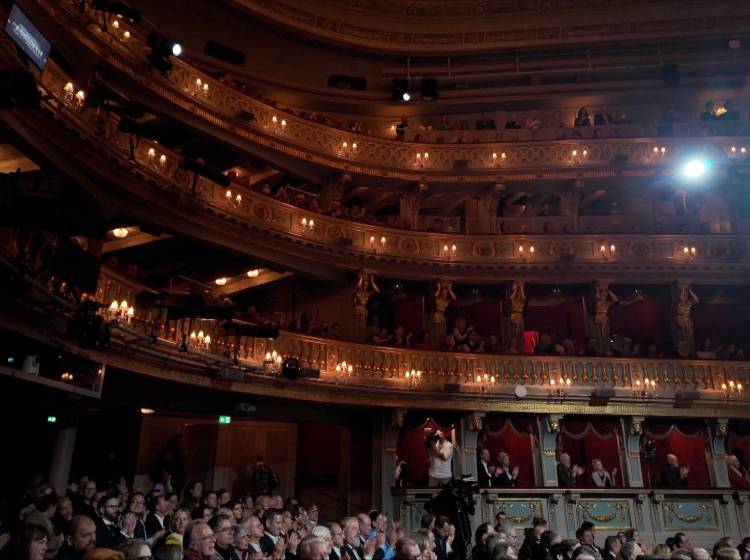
(434, 27)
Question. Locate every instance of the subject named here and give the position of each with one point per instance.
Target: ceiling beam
(243, 282)
(133, 240)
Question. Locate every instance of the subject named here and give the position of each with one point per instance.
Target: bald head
(82, 535)
(672, 460)
(565, 459)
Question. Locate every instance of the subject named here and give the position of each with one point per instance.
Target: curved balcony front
(249, 123)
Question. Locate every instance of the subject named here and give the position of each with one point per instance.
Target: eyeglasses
(207, 538)
(224, 530)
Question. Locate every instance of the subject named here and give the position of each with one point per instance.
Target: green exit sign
(225, 419)
(51, 419)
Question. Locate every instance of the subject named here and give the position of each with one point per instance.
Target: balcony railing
(372, 243)
(249, 119)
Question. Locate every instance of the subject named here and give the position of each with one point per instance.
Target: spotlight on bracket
(161, 49)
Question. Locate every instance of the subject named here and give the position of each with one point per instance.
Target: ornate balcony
(391, 251)
(243, 119)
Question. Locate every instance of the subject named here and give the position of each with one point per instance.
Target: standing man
(672, 474)
(441, 455)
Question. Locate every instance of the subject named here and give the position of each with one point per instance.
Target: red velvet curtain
(647, 320)
(567, 319)
(515, 436)
(685, 439)
(409, 313)
(486, 316)
(585, 440)
(410, 448)
(731, 317)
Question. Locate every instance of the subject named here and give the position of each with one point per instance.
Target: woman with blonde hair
(425, 540)
(103, 554)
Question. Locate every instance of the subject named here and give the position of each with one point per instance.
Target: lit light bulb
(221, 281)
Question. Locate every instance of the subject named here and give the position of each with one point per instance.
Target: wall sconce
(66, 376)
(659, 152)
(162, 160)
(731, 390)
(422, 159)
(526, 253)
(307, 225)
(278, 125)
(607, 252)
(347, 150)
(125, 35)
(560, 389)
(200, 88)
(122, 313)
(646, 390)
(120, 232)
(254, 273)
(344, 372)
(233, 200)
(689, 253)
(199, 341)
(377, 246)
(485, 382)
(498, 159)
(272, 362)
(69, 94)
(413, 378)
(80, 98)
(579, 155)
(222, 281)
(449, 251)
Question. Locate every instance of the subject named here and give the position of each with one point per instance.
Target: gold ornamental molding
(398, 249)
(271, 128)
(436, 28)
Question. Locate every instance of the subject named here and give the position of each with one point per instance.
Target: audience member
(600, 477)
(582, 118)
(672, 474)
(567, 475)
(504, 474)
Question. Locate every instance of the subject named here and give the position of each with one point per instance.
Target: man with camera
(441, 455)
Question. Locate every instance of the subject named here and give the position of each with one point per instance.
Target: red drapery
(730, 316)
(647, 320)
(409, 313)
(516, 437)
(567, 319)
(410, 448)
(738, 441)
(586, 440)
(687, 440)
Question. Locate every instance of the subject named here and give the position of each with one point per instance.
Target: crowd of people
(115, 522)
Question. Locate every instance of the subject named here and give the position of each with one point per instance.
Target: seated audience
(737, 477)
(582, 118)
(485, 123)
(461, 335)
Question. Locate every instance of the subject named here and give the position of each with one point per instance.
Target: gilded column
(549, 427)
(410, 205)
(632, 430)
(364, 288)
(719, 453)
(333, 192)
(444, 297)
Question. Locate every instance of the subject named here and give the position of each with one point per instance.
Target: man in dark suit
(484, 470)
(567, 476)
(672, 474)
(273, 523)
(80, 538)
(157, 511)
(444, 535)
(612, 547)
(108, 533)
(352, 548)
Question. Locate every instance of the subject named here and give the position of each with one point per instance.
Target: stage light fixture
(406, 96)
(696, 168)
(161, 49)
(400, 89)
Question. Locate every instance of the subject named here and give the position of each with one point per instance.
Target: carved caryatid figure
(686, 299)
(444, 296)
(604, 298)
(363, 290)
(517, 307)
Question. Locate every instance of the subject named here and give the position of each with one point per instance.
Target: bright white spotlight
(177, 49)
(406, 96)
(696, 168)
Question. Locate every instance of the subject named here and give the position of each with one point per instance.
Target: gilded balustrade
(253, 120)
